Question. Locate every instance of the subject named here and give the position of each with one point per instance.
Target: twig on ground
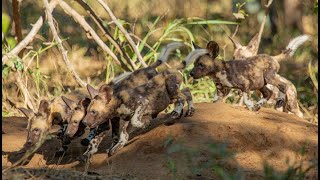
(28, 39)
(60, 46)
(99, 22)
(126, 34)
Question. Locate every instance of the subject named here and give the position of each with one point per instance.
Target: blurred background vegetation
(152, 24)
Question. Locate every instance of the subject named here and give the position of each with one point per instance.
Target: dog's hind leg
(188, 96)
(267, 93)
(275, 79)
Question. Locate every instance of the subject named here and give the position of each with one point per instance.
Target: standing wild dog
(252, 73)
(127, 81)
(132, 104)
(242, 52)
(50, 113)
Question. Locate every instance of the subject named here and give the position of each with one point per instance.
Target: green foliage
(5, 23)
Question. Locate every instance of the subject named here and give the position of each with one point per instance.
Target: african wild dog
(50, 113)
(132, 104)
(242, 52)
(127, 81)
(252, 73)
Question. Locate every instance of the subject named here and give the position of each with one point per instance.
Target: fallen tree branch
(60, 46)
(126, 34)
(107, 34)
(80, 20)
(28, 39)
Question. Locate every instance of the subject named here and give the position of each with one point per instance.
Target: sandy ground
(253, 137)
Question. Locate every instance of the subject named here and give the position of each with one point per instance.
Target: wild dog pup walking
(252, 73)
(243, 52)
(50, 113)
(132, 104)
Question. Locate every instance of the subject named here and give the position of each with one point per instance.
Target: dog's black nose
(192, 73)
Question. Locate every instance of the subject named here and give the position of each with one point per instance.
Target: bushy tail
(292, 47)
(163, 57)
(119, 78)
(193, 55)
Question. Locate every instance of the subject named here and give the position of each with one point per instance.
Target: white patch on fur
(247, 101)
(178, 108)
(190, 104)
(136, 118)
(123, 109)
(223, 79)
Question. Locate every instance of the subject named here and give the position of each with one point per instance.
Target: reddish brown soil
(252, 137)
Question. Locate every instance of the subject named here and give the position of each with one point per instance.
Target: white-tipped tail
(165, 52)
(121, 77)
(193, 55)
(296, 42)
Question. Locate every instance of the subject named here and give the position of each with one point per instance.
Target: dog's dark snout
(192, 73)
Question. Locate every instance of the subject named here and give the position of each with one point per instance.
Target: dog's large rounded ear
(27, 112)
(195, 46)
(44, 107)
(105, 92)
(92, 91)
(71, 104)
(85, 102)
(213, 49)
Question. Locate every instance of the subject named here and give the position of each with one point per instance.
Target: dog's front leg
(93, 146)
(124, 137)
(178, 110)
(247, 101)
(64, 141)
(190, 109)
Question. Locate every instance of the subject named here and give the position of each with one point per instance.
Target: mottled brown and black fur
(132, 104)
(252, 73)
(127, 81)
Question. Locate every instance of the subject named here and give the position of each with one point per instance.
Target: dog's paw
(174, 115)
(85, 142)
(256, 107)
(279, 103)
(190, 112)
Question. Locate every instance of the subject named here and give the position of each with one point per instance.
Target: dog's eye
(75, 122)
(201, 66)
(93, 112)
(77, 108)
(36, 131)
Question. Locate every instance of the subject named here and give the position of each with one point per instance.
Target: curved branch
(126, 34)
(99, 22)
(80, 20)
(28, 39)
(60, 46)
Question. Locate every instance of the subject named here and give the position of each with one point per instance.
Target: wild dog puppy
(252, 73)
(122, 82)
(132, 104)
(50, 113)
(242, 52)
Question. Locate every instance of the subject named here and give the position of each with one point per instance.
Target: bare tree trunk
(17, 22)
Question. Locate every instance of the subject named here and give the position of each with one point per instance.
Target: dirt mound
(218, 135)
